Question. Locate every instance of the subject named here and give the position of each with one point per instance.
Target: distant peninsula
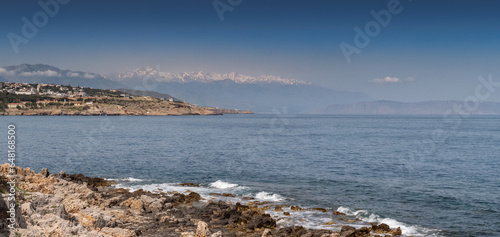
(60, 100)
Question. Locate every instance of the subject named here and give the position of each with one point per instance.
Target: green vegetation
(6, 98)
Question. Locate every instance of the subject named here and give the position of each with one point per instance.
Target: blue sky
(431, 50)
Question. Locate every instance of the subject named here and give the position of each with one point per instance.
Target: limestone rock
(45, 172)
(202, 229)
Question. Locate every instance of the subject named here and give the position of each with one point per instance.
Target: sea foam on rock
(75, 205)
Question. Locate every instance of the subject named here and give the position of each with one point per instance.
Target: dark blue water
(434, 175)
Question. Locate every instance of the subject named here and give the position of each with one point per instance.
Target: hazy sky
(428, 50)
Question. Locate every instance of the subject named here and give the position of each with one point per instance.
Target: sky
(426, 50)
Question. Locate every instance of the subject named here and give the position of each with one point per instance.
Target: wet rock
(349, 231)
(296, 208)
(262, 221)
(397, 232)
(381, 229)
(320, 209)
(193, 197)
(189, 185)
(293, 231)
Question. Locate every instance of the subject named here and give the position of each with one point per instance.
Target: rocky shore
(140, 106)
(76, 205)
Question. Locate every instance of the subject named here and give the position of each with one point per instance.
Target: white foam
(265, 196)
(129, 179)
(222, 185)
(405, 228)
(164, 187)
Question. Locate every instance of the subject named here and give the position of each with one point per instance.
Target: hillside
(49, 99)
(264, 93)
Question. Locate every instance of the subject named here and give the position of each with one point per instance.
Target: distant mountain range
(262, 94)
(232, 90)
(205, 77)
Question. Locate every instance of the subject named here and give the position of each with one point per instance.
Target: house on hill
(14, 105)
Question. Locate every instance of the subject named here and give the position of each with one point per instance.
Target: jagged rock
(349, 231)
(60, 211)
(188, 234)
(152, 204)
(217, 234)
(193, 197)
(202, 229)
(261, 221)
(118, 232)
(381, 229)
(292, 231)
(75, 205)
(397, 232)
(267, 233)
(346, 231)
(45, 172)
(133, 203)
(110, 202)
(167, 206)
(26, 209)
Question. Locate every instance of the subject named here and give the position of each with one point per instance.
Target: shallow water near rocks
(428, 175)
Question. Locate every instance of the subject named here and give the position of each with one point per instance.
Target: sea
(428, 175)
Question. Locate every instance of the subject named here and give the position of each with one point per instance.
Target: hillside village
(52, 99)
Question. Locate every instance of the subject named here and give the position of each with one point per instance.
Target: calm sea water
(433, 176)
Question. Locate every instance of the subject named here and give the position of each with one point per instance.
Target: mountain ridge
(230, 90)
(201, 76)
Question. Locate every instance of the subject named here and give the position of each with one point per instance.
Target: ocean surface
(430, 175)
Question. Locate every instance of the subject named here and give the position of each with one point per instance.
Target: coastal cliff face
(76, 205)
(143, 106)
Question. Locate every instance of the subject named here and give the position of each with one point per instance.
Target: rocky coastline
(77, 205)
(105, 106)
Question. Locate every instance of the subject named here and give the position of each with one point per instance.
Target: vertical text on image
(11, 157)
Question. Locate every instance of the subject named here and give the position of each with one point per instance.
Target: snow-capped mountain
(205, 77)
(231, 90)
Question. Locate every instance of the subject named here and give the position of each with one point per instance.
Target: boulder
(202, 229)
(261, 221)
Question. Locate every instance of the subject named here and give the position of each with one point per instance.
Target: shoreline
(65, 205)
